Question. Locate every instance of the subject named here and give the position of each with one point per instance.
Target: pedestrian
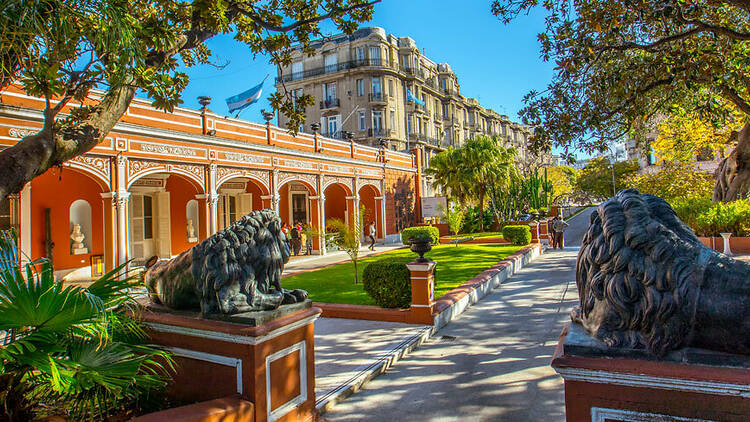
(308, 239)
(551, 232)
(296, 240)
(372, 233)
(559, 226)
(285, 232)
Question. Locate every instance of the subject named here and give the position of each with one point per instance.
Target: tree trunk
(481, 209)
(54, 144)
(733, 174)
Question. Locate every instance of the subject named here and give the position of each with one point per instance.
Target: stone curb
(476, 289)
(368, 372)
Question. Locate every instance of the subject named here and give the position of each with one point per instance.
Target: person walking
(296, 240)
(559, 226)
(372, 233)
(551, 232)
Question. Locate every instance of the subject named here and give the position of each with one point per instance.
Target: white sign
(434, 206)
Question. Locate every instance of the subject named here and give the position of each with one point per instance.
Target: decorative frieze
(285, 177)
(92, 163)
(170, 150)
(339, 169)
(139, 167)
(329, 180)
(372, 182)
(15, 132)
(298, 164)
(225, 173)
(243, 158)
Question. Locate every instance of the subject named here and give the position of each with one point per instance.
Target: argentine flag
(411, 97)
(240, 101)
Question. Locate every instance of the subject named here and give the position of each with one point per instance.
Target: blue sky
(495, 63)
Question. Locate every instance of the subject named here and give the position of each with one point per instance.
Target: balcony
(377, 97)
(329, 103)
(429, 140)
(322, 70)
(413, 72)
(379, 132)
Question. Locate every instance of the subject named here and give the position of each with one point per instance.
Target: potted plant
(421, 245)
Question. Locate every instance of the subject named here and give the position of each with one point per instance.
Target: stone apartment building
(361, 83)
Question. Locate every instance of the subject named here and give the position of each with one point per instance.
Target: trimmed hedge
(388, 282)
(517, 235)
(420, 232)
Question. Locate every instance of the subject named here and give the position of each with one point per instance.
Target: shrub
(518, 235)
(475, 220)
(420, 232)
(708, 218)
(388, 282)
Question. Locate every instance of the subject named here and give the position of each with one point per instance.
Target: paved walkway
(303, 262)
(493, 362)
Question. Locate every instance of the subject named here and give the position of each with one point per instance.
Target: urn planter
(421, 246)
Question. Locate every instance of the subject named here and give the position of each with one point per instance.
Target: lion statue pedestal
(220, 309)
(662, 330)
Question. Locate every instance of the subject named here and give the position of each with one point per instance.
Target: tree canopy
(62, 49)
(620, 63)
(595, 180)
(673, 180)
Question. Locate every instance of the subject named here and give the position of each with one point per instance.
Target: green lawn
(456, 265)
(482, 235)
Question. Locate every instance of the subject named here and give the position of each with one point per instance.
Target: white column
(321, 215)
(276, 197)
(382, 216)
(120, 202)
(212, 198)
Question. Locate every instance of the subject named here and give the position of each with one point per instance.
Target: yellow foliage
(684, 135)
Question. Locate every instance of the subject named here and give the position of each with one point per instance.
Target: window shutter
(163, 239)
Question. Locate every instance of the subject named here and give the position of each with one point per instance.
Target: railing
(411, 71)
(420, 137)
(378, 132)
(329, 103)
(322, 70)
(377, 97)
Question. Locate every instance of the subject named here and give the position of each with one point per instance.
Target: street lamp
(315, 127)
(267, 116)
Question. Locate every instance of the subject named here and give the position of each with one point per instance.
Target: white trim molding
(648, 381)
(218, 359)
(599, 414)
(281, 411)
(231, 338)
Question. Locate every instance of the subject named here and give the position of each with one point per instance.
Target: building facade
(361, 83)
(161, 182)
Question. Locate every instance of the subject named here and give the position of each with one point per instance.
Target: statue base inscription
(267, 357)
(617, 384)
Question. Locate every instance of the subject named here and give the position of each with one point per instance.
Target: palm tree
(484, 164)
(78, 351)
(444, 169)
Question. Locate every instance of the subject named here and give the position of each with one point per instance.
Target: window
(443, 84)
(297, 70)
(419, 125)
(331, 63)
(375, 56)
(360, 87)
(362, 121)
(377, 120)
(227, 210)
(148, 217)
(377, 90)
(332, 125)
(296, 93)
(392, 119)
(359, 54)
(329, 91)
(390, 87)
(445, 111)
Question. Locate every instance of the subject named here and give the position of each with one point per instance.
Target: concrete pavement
(491, 364)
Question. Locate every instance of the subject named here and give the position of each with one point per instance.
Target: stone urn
(421, 246)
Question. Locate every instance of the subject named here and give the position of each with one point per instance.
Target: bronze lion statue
(238, 269)
(646, 281)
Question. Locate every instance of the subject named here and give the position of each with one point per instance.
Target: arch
(148, 168)
(95, 167)
(310, 187)
(368, 195)
(346, 186)
(244, 174)
(371, 183)
(337, 204)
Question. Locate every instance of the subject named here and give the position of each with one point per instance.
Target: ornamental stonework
(285, 177)
(305, 165)
(372, 182)
(244, 158)
(15, 132)
(195, 170)
(95, 164)
(139, 166)
(329, 180)
(226, 173)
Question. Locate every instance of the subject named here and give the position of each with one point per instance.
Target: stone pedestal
(603, 384)
(727, 249)
(266, 358)
(422, 292)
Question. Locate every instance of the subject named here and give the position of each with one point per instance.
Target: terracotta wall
(400, 200)
(180, 192)
(335, 202)
(57, 190)
(256, 192)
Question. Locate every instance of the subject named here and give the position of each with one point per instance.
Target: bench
(461, 240)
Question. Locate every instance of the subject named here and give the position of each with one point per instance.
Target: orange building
(161, 182)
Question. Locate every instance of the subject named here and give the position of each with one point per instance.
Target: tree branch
(735, 97)
(276, 28)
